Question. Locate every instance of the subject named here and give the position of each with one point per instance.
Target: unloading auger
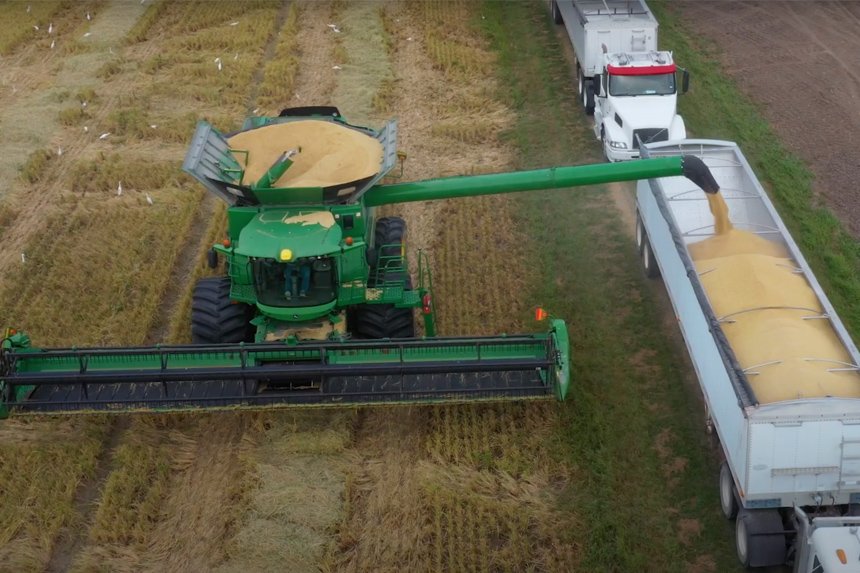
(317, 305)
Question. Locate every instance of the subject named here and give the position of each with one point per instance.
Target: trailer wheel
(652, 271)
(587, 97)
(728, 501)
(556, 13)
(215, 318)
(640, 233)
(760, 538)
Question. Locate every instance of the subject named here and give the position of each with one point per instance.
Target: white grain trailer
(791, 476)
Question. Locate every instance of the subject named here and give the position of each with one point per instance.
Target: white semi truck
(791, 476)
(623, 80)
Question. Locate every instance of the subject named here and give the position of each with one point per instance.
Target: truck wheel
(640, 233)
(556, 13)
(652, 271)
(215, 318)
(728, 501)
(760, 538)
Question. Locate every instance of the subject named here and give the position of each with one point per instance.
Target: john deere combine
(317, 304)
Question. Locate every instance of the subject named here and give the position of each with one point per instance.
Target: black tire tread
(214, 318)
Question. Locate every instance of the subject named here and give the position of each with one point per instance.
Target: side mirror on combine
(212, 259)
(685, 81)
(596, 85)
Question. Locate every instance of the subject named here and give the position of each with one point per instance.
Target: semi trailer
(622, 78)
(779, 372)
(316, 306)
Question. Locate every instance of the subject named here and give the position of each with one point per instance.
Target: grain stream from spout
(770, 315)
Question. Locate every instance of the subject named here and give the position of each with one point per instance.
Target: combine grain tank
(777, 368)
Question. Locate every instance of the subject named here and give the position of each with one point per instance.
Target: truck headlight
(617, 145)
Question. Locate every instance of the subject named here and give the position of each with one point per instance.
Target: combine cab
(317, 303)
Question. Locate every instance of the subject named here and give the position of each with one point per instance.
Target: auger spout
(551, 178)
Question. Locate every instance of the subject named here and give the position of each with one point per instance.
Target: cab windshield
(655, 84)
(307, 281)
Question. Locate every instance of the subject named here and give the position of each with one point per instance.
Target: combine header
(317, 304)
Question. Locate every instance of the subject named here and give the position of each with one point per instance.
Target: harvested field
(104, 238)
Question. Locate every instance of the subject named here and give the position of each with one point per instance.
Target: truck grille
(649, 135)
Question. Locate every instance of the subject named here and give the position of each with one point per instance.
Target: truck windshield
(304, 282)
(655, 84)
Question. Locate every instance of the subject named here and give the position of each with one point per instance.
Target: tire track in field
(188, 255)
(40, 198)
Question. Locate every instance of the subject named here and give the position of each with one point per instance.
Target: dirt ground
(800, 61)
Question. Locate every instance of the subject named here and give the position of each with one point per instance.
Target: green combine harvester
(317, 307)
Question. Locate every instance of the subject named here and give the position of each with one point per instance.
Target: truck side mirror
(595, 85)
(685, 81)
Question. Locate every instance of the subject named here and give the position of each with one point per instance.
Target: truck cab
(635, 103)
(826, 544)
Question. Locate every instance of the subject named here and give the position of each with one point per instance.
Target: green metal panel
(496, 183)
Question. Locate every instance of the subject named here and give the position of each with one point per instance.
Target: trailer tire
(215, 318)
(760, 538)
(640, 233)
(588, 98)
(652, 271)
(556, 13)
(728, 499)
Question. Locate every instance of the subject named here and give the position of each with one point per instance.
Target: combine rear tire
(214, 318)
(385, 320)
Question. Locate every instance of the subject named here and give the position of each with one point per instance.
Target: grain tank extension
(316, 304)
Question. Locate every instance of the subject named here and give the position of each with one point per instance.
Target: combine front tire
(214, 318)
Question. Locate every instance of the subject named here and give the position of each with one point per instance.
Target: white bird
(53, 43)
(88, 34)
(409, 39)
(234, 23)
(59, 151)
(86, 129)
(148, 199)
(119, 189)
(218, 61)
(89, 17)
(51, 28)
(35, 27)
(28, 8)
(335, 67)
(110, 49)
(236, 56)
(23, 258)
(153, 126)
(104, 135)
(256, 109)
(83, 104)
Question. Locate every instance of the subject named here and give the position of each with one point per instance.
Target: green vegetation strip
(716, 109)
(644, 478)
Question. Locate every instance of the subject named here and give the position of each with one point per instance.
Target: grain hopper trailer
(623, 80)
(778, 370)
(317, 303)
